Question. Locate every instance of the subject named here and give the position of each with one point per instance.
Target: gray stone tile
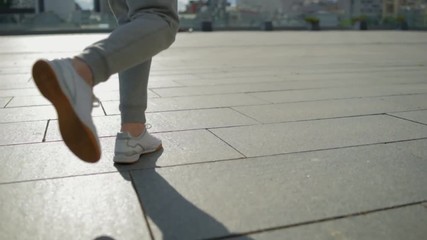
(214, 200)
(275, 86)
(72, 208)
(14, 70)
(53, 159)
(13, 78)
(193, 102)
(19, 83)
(223, 89)
(50, 160)
(114, 95)
(111, 106)
(197, 119)
(417, 148)
(418, 116)
(159, 78)
(403, 223)
(27, 101)
(333, 108)
(407, 101)
(226, 80)
(273, 74)
(167, 121)
(19, 92)
(34, 113)
(106, 126)
(23, 132)
(4, 101)
(280, 138)
(199, 102)
(337, 93)
(163, 84)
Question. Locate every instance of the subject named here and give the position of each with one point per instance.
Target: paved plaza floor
(267, 135)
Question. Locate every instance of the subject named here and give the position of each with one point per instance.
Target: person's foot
(129, 149)
(72, 98)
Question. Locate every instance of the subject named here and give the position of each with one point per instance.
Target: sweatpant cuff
(97, 63)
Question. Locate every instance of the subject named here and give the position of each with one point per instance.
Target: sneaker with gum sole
(72, 98)
(129, 149)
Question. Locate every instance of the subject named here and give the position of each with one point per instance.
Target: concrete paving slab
(270, 86)
(72, 208)
(193, 102)
(30, 162)
(27, 101)
(274, 113)
(155, 77)
(197, 119)
(320, 71)
(321, 134)
(215, 200)
(407, 100)
(4, 101)
(166, 121)
(114, 95)
(106, 126)
(23, 132)
(417, 148)
(53, 159)
(402, 223)
(19, 92)
(163, 84)
(34, 113)
(340, 93)
(275, 74)
(16, 83)
(200, 102)
(14, 70)
(418, 116)
(225, 79)
(10, 78)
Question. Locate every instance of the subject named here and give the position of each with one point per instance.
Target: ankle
(83, 70)
(134, 129)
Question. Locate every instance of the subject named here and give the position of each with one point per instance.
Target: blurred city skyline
(88, 4)
(237, 14)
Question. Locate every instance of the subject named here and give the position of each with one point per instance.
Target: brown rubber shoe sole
(76, 135)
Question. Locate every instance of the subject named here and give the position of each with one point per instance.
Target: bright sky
(85, 4)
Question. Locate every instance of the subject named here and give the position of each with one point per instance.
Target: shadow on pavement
(104, 238)
(172, 214)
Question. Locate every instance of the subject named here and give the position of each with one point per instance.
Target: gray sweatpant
(146, 27)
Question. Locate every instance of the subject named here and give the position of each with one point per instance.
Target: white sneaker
(129, 149)
(72, 98)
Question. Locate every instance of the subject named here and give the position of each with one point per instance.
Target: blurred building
(63, 8)
(357, 8)
(392, 8)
